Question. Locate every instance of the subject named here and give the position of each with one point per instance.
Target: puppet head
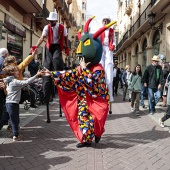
(90, 46)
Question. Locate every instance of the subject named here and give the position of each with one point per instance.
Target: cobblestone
(129, 142)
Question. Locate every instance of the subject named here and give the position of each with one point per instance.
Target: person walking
(116, 75)
(153, 79)
(108, 43)
(3, 54)
(135, 85)
(13, 86)
(125, 78)
(165, 70)
(167, 114)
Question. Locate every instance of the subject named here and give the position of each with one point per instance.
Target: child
(135, 86)
(167, 115)
(13, 96)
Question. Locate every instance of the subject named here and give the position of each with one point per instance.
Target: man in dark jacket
(116, 76)
(153, 79)
(33, 67)
(3, 55)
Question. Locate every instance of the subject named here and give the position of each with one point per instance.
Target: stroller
(32, 93)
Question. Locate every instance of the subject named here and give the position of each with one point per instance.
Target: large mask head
(90, 46)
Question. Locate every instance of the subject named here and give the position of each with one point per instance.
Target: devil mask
(90, 46)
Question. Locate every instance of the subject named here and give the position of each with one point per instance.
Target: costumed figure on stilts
(83, 92)
(108, 43)
(57, 40)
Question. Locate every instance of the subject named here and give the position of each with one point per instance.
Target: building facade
(24, 21)
(144, 31)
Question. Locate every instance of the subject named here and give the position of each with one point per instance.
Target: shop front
(16, 33)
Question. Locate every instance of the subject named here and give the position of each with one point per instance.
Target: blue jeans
(143, 93)
(153, 97)
(2, 102)
(13, 111)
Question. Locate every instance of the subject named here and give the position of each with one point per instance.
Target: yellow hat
(155, 58)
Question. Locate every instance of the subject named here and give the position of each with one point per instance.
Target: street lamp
(152, 22)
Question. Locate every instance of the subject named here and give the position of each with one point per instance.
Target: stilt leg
(110, 108)
(48, 114)
(60, 111)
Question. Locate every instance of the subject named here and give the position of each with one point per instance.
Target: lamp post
(152, 22)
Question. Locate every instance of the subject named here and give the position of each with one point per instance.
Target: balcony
(41, 17)
(141, 25)
(68, 23)
(69, 2)
(159, 6)
(128, 10)
(65, 8)
(30, 6)
(63, 14)
(58, 3)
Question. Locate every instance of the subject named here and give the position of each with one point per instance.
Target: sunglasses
(51, 21)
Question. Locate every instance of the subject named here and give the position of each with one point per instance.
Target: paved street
(129, 142)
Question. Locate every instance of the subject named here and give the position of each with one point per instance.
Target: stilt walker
(108, 43)
(56, 41)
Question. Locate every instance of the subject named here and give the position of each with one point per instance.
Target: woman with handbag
(125, 78)
(135, 85)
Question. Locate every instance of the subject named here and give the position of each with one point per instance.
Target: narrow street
(129, 142)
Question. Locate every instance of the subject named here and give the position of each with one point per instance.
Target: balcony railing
(140, 21)
(143, 17)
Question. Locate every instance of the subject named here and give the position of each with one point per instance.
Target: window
(83, 5)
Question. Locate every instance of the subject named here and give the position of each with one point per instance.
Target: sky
(99, 8)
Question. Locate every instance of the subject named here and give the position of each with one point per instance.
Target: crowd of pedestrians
(152, 84)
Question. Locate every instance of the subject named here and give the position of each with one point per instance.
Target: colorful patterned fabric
(84, 82)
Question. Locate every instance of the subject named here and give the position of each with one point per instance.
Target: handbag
(132, 86)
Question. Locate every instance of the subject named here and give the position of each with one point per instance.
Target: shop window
(15, 45)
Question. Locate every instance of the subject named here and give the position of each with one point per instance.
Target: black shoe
(81, 145)
(123, 99)
(116, 94)
(9, 128)
(97, 139)
(129, 100)
(33, 106)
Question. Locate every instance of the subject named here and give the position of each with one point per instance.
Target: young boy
(13, 96)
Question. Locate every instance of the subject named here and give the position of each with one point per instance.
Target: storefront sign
(14, 26)
(15, 45)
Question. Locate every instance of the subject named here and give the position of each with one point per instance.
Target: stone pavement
(129, 142)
